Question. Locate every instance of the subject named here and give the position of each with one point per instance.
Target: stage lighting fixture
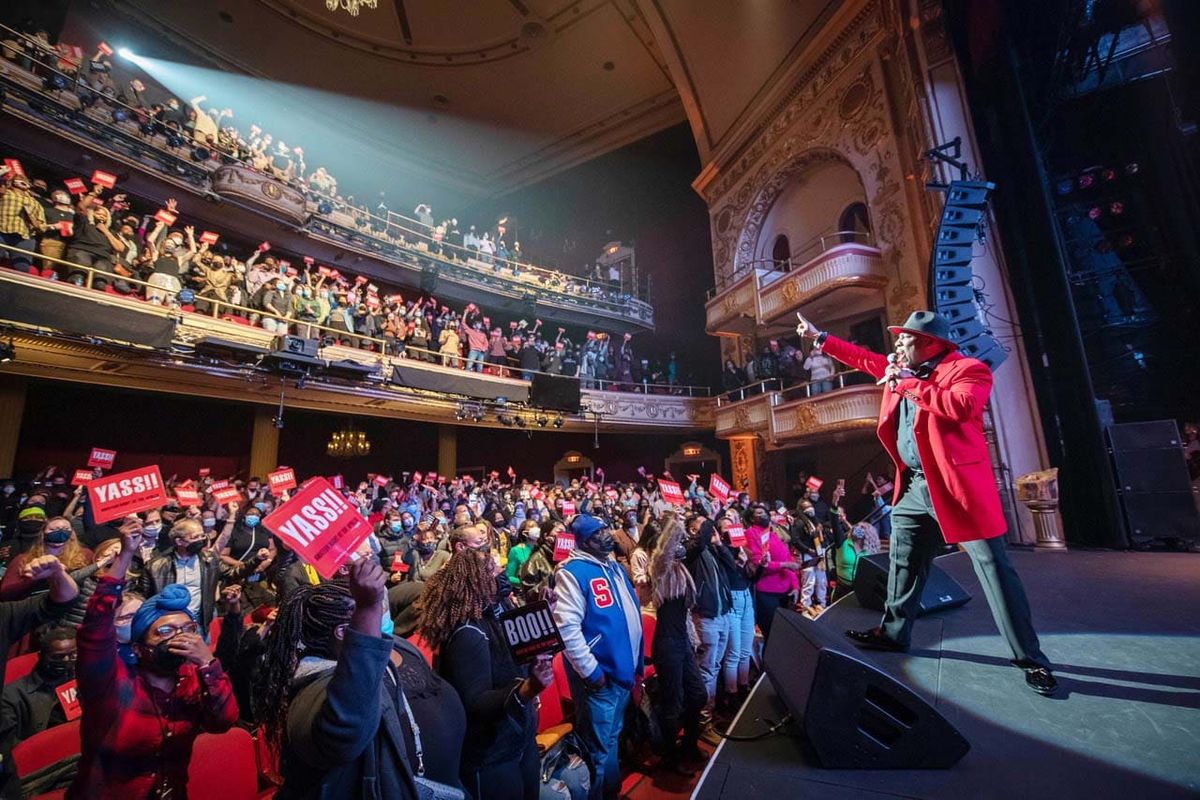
(541, 420)
(120, 114)
(201, 154)
(7, 352)
(520, 421)
(558, 421)
(54, 81)
(324, 208)
(174, 139)
(125, 52)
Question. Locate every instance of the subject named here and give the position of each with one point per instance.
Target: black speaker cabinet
(555, 392)
(870, 586)
(854, 715)
(296, 346)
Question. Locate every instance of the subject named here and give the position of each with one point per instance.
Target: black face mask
(762, 520)
(425, 548)
(56, 672)
(194, 548)
(29, 528)
(680, 552)
(602, 543)
(163, 659)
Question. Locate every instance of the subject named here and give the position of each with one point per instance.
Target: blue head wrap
(174, 598)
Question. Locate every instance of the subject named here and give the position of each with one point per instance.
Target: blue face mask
(209, 523)
(251, 520)
(386, 626)
(396, 527)
(261, 506)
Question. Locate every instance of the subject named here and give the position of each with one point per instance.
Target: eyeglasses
(63, 658)
(170, 631)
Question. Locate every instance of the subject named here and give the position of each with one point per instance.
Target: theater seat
(551, 726)
(214, 630)
(46, 748)
(19, 667)
(648, 623)
(418, 642)
(564, 688)
(223, 766)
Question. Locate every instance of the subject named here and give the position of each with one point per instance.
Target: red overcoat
(948, 429)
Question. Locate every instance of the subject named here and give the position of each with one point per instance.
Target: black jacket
(345, 737)
(476, 662)
(28, 705)
(161, 572)
(712, 587)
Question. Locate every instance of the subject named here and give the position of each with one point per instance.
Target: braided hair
(457, 593)
(304, 625)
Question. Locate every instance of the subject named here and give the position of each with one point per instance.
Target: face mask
(261, 506)
(57, 537)
(57, 672)
(251, 520)
(533, 537)
(9, 489)
(279, 287)
(30, 527)
(396, 527)
(194, 548)
(163, 659)
(386, 626)
(408, 524)
(425, 548)
(603, 542)
(680, 553)
(151, 531)
(761, 520)
(810, 512)
(209, 524)
(124, 632)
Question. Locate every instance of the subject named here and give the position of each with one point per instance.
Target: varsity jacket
(599, 619)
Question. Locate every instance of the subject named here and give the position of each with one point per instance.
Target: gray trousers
(916, 539)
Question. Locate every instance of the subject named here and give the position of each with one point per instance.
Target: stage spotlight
(324, 208)
(520, 421)
(7, 352)
(541, 420)
(125, 52)
(174, 139)
(201, 154)
(120, 114)
(558, 421)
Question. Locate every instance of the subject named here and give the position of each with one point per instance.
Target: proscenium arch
(768, 193)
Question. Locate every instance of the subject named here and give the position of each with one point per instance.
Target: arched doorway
(855, 223)
(781, 253)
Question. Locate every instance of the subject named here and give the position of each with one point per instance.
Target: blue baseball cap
(584, 525)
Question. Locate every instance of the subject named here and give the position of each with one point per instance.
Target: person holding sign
(174, 691)
(458, 621)
(739, 573)
(343, 701)
(600, 621)
(32, 704)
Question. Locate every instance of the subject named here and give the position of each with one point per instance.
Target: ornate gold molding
(255, 188)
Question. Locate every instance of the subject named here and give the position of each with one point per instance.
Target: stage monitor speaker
(1160, 433)
(1154, 484)
(870, 586)
(555, 392)
(854, 715)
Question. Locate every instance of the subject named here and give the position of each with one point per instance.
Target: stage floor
(1123, 631)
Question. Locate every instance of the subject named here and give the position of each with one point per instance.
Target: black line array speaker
(555, 392)
(950, 278)
(296, 345)
(854, 715)
(1153, 481)
(941, 592)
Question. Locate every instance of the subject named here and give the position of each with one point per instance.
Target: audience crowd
(203, 132)
(148, 254)
(194, 617)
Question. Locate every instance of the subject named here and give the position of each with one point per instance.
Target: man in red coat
(931, 424)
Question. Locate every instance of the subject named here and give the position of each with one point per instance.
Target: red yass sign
(320, 525)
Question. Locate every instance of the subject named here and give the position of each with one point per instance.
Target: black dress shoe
(1041, 680)
(875, 639)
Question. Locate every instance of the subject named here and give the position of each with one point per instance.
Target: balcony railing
(361, 347)
(843, 408)
(761, 294)
(66, 105)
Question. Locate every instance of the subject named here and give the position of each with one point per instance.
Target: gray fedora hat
(926, 323)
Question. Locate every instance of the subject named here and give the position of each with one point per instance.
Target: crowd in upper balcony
(89, 233)
(217, 135)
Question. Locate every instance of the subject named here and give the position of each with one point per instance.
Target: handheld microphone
(892, 359)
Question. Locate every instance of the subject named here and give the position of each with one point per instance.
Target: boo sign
(320, 526)
(529, 632)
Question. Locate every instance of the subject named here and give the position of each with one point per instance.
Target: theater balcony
(803, 414)
(838, 409)
(842, 278)
(70, 127)
(64, 332)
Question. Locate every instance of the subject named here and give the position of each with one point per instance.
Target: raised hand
(805, 328)
(41, 568)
